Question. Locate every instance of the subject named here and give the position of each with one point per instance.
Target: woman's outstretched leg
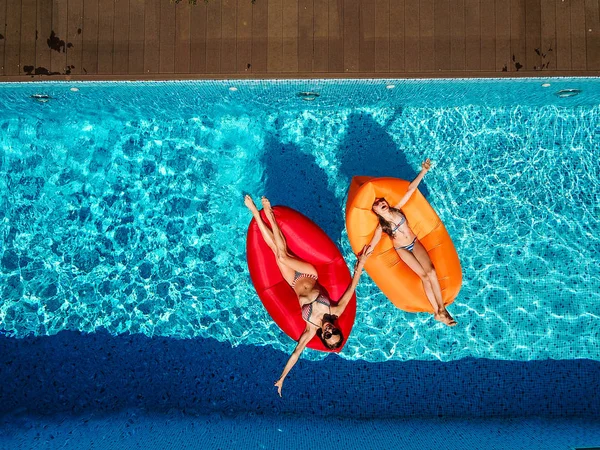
(412, 262)
(287, 273)
(425, 261)
(262, 226)
(284, 255)
(278, 236)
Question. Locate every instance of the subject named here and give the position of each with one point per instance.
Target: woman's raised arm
(305, 338)
(412, 187)
(376, 237)
(347, 295)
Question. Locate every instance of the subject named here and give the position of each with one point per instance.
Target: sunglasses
(328, 334)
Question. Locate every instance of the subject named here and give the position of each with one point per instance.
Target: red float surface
(308, 242)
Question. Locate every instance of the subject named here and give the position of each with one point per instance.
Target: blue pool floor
(132, 430)
(77, 374)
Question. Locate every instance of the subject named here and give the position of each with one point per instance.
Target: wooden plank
(366, 41)
(13, 38)
(411, 35)
(441, 36)
(457, 35)
(121, 37)
(213, 37)
(183, 14)
(260, 24)
(592, 26)
(473, 35)
(151, 37)
(426, 24)
(397, 30)
(290, 36)
(487, 22)
(244, 36)
(382, 35)
(548, 35)
(75, 35)
(320, 36)
(58, 56)
(275, 36)
(351, 35)
(563, 35)
(106, 23)
(198, 38)
(517, 36)
(336, 36)
(28, 31)
(228, 36)
(305, 35)
(503, 56)
(137, 19)
(89, 51)
(166, 46)
(578, 38)
(533, 34)
(2, 33)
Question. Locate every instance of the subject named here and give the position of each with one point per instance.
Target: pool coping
(304, 76)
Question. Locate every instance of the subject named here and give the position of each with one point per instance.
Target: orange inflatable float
(395, 279)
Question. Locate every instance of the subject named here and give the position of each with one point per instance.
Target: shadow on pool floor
(78, 373)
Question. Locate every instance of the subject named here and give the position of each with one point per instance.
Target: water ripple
(136, 225)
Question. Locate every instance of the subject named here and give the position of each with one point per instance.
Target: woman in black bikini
(317, 310)
(393, 223)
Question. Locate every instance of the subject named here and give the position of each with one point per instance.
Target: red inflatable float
(307, 241)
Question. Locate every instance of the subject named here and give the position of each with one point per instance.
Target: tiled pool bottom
(131, 430)
(77, 374)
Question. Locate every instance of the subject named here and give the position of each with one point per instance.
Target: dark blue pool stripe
(77, 373)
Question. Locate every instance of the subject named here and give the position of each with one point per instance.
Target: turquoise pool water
(121, 206)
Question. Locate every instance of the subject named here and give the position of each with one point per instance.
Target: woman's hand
(412, 187)
(426, 165)
(363, 256)
(279, 384)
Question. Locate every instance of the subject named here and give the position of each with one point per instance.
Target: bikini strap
(309, 315)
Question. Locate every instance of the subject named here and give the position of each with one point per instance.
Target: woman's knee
(283, 256)
(281, 246)
(430, 273)
(273, 247)
(422, 275)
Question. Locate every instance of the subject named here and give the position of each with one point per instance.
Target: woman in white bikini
(318, 312)
(392, 222)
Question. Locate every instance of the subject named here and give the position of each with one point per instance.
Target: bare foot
(266, 203)
(268, 209)
(445, 317)
(250, 204)
(448, 319)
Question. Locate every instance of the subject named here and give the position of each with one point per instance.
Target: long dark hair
(337, 332)
(386, 226)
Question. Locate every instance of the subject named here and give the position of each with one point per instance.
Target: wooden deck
(155, 39)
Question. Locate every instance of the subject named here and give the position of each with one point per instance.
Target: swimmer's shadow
(294, 179)
(368, 149)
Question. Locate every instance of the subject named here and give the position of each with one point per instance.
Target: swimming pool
(122, 206)
(127, 306)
